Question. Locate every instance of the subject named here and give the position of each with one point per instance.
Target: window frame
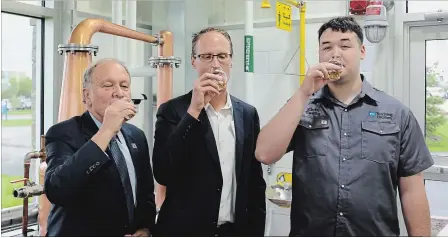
(415, 48)
(407, 8)
(44, 18)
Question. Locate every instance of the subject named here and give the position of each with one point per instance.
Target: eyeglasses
(207, 58)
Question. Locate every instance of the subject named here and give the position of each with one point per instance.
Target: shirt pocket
(379, 141)
(315, 138)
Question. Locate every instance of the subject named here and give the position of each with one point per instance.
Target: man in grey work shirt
(353, 146)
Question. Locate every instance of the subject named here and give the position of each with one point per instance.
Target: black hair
(343, 24)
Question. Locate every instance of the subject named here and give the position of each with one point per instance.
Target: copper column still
(30, 188)
(78, 55)
(164, 91)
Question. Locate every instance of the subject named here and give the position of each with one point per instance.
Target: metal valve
(31, 189)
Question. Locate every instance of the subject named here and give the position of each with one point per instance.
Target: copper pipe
(84, 31)
(164, 92)
(76, 62)
(165, 72)
(44, 204)
(27, 162)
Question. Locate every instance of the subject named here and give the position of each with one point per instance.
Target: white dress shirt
(223, 127)
(127, 156)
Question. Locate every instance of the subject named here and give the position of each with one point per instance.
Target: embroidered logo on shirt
(384, 115)
(312, 111)
(381, 115)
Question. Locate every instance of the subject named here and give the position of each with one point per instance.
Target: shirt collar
(228, 104)
(99, 124)
(366, 89)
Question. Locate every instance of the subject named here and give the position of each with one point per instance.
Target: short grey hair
(87, 77)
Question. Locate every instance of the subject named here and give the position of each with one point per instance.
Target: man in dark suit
(99, 177)
(204, 152)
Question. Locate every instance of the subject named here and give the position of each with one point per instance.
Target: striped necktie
(124, 175)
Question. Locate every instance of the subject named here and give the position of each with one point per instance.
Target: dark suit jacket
(185, 159)
(84, 186)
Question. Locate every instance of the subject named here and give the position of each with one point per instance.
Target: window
(436, 129)
(437, 193)
(437, 99)
(426, 6)
(20, 100)
(428, 100)
(97, 7)
(105, 8)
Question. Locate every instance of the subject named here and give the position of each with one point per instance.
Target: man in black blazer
(204, 153)
(99, 177)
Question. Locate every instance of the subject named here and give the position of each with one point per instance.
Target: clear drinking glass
(222, 84)
(335, 74)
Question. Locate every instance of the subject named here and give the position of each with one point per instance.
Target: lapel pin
(134, 145)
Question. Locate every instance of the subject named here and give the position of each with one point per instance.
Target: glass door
(429, 102)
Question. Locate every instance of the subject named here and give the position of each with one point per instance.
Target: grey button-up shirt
(347, 161)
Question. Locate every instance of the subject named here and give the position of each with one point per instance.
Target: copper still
(78, 55)
(164, 93)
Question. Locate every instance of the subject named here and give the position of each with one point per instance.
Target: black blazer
(185, 159)
(84, 185)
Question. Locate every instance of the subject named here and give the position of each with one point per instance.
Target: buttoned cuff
(187, 124)
(95, 157)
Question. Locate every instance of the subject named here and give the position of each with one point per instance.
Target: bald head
(104, 82)
(101, 65)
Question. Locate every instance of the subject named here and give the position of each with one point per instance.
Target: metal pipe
(301, 5)
(302, 60)
(79, 56)
(165, 71)
(117, 18)
(44, 204)
(131, 23)
(84, 31)
(29, 189)
(28, 157)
